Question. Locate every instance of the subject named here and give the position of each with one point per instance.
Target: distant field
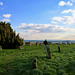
(19, 62)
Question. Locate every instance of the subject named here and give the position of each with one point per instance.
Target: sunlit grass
(20, 62)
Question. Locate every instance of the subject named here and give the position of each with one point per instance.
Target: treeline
(8, 37)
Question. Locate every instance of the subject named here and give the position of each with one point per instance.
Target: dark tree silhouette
(8, 37)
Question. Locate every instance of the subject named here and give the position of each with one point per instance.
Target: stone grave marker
(58, 48)
(0, 47)
(48, 51)
(37, 43)
(68, 43)
(40, 44)
(35, 63)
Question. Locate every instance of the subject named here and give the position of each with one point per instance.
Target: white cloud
(30, 24)
(59, 19)
(69, 19)
(31, 31)
(69, 4)
(22, 25)
(40, 36)
(54, 22)
(66, 19)
(1, 3)
(43, 31)
(62, 3)
(66, 11)
(43, 28)
(7, 15)
(5, 20)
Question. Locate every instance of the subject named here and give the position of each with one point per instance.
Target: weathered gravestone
(0, 47)
(37, 43)
(35, 63)
(48, 51)
(58, 48)
(68, 43)
(40, 44)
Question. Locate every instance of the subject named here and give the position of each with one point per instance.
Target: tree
(8, 37)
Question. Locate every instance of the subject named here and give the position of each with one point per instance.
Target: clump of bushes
(8, 37)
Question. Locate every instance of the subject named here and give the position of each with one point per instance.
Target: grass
(20, 62)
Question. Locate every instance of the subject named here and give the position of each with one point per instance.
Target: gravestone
(48, 51)
(40, 44)
(68, 43)
(35, 63)
(0, 47)
(37, 43)
(58, 48)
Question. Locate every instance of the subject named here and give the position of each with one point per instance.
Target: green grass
(20, 62)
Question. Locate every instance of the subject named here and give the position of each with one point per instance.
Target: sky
(40, 19)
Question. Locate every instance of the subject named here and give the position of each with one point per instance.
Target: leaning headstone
(35, 63)
(48, 51)
(58, 48)
(0, 47)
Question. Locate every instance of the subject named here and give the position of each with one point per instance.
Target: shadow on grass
(16, 67)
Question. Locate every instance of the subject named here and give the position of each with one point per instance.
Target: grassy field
(20, 62)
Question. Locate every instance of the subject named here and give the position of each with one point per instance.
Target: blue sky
(40, 19)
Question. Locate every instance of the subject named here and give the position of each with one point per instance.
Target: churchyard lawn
(20, 62)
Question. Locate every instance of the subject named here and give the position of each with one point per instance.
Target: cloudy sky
(40, 19)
